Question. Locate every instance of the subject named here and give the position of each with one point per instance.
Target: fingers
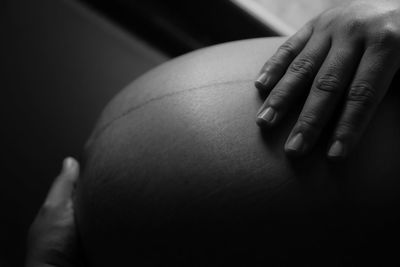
(61, 190)
(276, 66)
(371, 82)
(296, 81)
(329, 85)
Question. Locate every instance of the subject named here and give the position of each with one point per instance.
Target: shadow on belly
(178, 173)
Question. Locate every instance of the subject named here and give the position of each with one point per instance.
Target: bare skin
(344, 60)
(52, 237)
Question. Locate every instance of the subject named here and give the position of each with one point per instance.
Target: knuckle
(326, 19)
(362, 95)
(344, 126)
(354, 26)
(302, 67)
(328, 83)
(310, 24)
(274, 62)
(309, 122)
(387, 37)
(287, 50)
(345, 130)
(276, 98)
(342, 134)
(357, 23)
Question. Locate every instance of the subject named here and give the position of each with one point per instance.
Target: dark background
(61, 61)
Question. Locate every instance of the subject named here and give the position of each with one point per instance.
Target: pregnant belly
(176, 171)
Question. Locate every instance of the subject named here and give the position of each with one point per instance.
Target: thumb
(63, 186)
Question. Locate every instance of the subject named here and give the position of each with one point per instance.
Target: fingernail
(268, 116)
(296, 143)
(337, 149)
(69, 164)
(262, 80)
